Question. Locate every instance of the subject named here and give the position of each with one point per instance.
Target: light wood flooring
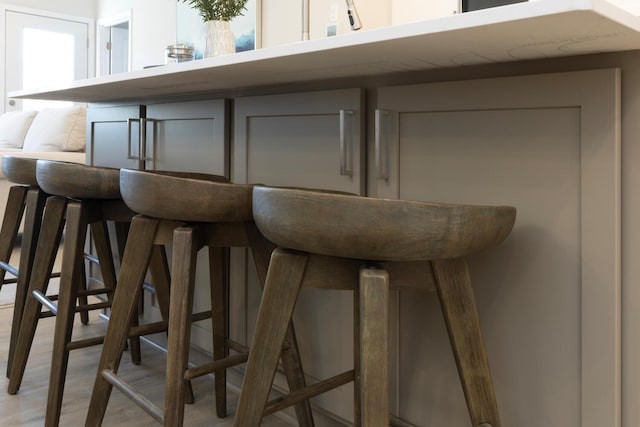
(28, 406)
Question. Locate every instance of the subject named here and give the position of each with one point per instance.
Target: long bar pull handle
(130, 155)
(346, 142)
(143, 140)
(383, 128)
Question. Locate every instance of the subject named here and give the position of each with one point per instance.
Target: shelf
(521, 31)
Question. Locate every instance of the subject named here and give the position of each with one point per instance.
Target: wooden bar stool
(191, 214)
(25, 200)
(80, 196)
(337, 241)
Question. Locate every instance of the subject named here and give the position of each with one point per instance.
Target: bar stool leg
(125, 303)
(161, 277)
(107, 268)
(278, 301)
(357, 383)
(461, 316)
(262, 249)
(104, 253)
(73, 250)
(11, 224)
(374, 347)
(219, 316)
(122, 231)
(183, 271)
(81, 284)
(48, 243)
(34, 208)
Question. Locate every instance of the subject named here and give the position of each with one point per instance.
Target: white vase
(219, 39)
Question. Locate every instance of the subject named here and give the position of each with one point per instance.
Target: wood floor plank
(27, 408)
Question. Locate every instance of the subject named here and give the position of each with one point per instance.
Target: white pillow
(13, 128)
(57, 129)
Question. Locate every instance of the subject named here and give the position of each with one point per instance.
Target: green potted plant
(216, 14)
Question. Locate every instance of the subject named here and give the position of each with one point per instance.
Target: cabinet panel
(295, 140)
(193, 137)
(188, 136)
(108, 145)
(185, 136)
(503, 157)
(549, 297)
(108, 136)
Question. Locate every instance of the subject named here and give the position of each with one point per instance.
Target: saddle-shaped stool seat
(191, 212)
(79, 197)
(333, 241)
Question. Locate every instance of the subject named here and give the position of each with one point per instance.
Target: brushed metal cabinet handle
(346, 142)
(143, 140)
(382, 134)
(130, 121)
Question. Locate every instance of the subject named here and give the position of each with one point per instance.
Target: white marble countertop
(521, 31)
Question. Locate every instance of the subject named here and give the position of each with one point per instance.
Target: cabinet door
(188, 136)
(112, 141)
(549, 296)
(192, 137)
(113, 136)
(295, 140)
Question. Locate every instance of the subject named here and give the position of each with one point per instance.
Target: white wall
(282, 19)
(107, 8)
(84, 8)
(632, 6)
(403, 11)
(373, 14)
(152, 29)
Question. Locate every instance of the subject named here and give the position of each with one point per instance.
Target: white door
(42, 51)
(119, 48)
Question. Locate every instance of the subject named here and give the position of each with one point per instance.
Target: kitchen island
(531, 105)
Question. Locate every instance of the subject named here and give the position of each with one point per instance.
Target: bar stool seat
(20, 170)
(25, 200)
(80, 196)
(369, 245)
(190, 212)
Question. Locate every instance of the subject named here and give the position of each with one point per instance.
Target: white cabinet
(315, 140)
(549, 297)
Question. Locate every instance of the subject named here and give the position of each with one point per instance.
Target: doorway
(42, 51)
(114, 46)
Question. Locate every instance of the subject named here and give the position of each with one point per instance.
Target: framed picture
(246, 28)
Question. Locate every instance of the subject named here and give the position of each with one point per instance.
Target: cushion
(13, 128)
(57, 129)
